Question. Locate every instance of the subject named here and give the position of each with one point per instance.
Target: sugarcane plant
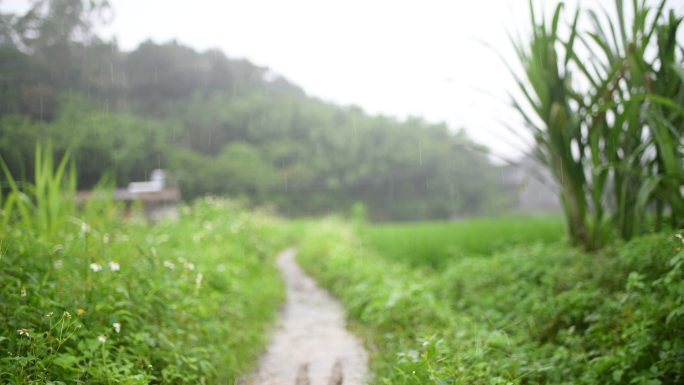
(606, 109)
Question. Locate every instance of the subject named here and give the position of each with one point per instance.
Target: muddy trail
(311, 345)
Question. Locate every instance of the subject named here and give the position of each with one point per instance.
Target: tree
(54, 23)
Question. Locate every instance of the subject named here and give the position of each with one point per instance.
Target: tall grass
(610, 126)
(45, 206)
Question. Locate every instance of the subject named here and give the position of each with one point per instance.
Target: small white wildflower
(122, 237)
(114, 266)
(23, 291)
(189, 265)
(95, 267)
(48, 315)
(67, 314)
(117, 327)
(58, 264)
(84, 228)
(198, 280)
(169, 265)
(102, 338)
(105, 238)
(23, 332)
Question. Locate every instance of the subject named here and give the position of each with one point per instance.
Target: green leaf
(66, 361)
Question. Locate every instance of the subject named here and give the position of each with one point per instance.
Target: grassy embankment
(531, 314)
(90, 298)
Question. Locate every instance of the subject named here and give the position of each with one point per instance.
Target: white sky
(396, 57)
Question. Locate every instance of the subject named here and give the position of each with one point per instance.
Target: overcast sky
(399, 58)
(427, 58)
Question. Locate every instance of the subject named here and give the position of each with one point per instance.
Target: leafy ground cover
(438, 243)
(97, 300)
(534, 314)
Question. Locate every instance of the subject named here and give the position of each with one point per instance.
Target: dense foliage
(90, 298)
(605, 109)
(532, 314)
(225, 126)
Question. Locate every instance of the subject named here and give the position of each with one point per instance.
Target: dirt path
(311, 345)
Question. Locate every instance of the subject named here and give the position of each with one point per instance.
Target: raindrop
(420, 152)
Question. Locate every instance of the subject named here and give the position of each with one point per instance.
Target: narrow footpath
(311, 345)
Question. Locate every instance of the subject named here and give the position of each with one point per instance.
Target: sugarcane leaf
(644, 196)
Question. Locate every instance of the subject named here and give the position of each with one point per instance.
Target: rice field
(436, 244)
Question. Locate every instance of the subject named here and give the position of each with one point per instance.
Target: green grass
(539, 314)
(437, 244)
(90, 298)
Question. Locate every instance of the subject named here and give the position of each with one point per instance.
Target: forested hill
(225, 126)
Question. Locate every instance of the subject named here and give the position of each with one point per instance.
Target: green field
(438, 243)
(530, 314)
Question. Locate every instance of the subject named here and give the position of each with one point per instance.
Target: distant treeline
(225, 126)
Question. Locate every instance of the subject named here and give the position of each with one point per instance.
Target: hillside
(226, 126)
